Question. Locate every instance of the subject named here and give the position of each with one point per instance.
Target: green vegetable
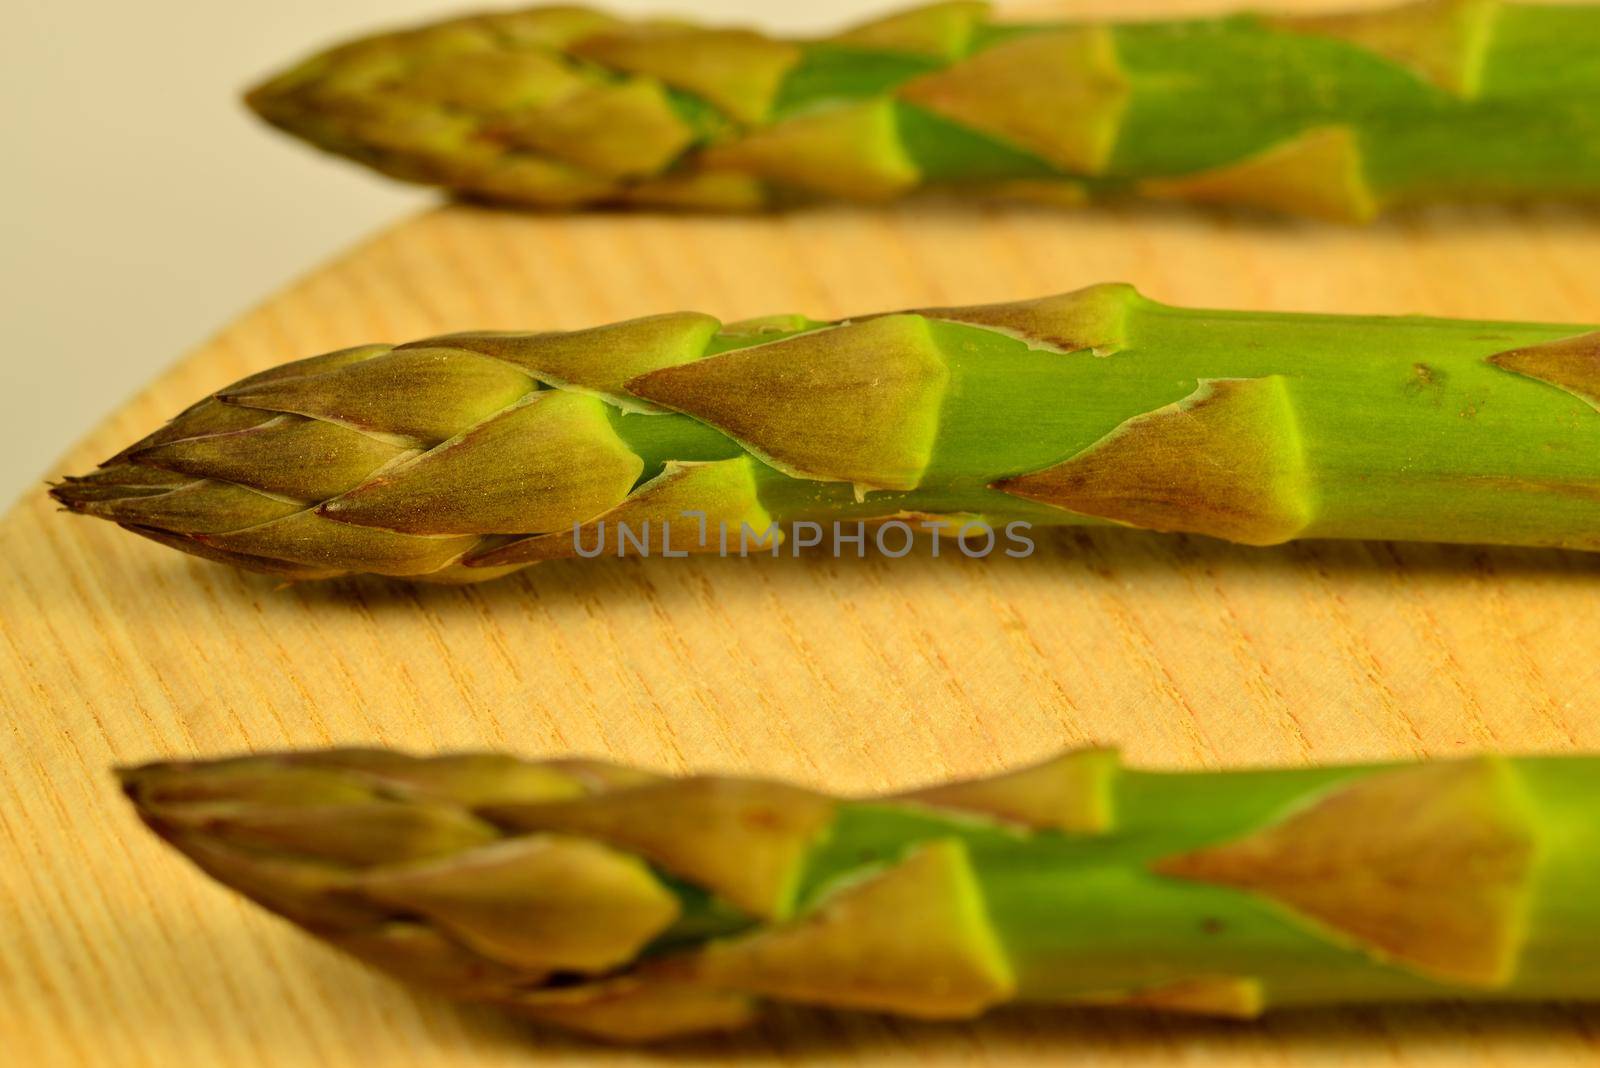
(1334, 116)
(637, 907)
(459, 458)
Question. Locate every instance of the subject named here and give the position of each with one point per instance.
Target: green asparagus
(1335, 116)
(464, 457)
(633, 906)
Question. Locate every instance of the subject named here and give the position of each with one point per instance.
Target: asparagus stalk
(633, 906)
(1333, 116)
(463, 457)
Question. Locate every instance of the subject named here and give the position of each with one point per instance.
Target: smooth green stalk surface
(634, 906)
(462, 457)
(1337, 116)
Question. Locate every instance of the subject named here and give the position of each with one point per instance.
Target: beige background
(144, 207)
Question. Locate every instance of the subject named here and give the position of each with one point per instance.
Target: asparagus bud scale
(634, 906)
(1336, 116)
(463, 457)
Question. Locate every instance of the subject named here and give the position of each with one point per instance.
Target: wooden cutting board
(845, 674)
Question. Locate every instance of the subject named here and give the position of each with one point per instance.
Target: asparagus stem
(1334, 116)
(460, 458)
(638, 907)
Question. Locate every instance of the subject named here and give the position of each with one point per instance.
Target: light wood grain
(850, 674)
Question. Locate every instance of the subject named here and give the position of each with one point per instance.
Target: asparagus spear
(633, 906)
(1334, 116)
(463, 457)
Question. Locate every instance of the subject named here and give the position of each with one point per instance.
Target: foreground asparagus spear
(638, 907)
(462, 457)
(1332, 116)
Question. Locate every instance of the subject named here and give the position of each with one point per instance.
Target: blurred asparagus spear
(1336, 116)
(462, 457)
(637, 907)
